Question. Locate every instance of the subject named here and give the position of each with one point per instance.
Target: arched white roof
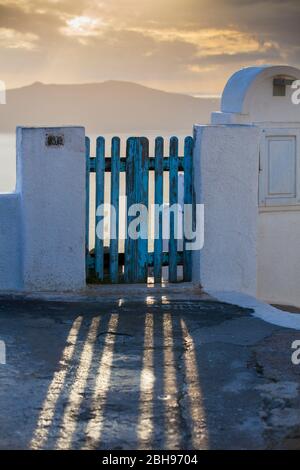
(249, 97)
(243, 85)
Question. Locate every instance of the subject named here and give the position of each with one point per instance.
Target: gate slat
(136, 251)
(130, 193)
(114, 230)
(158, 244)
(173, 199)
(142, 187)
(188, 199)
(100, 169)
(87, 202)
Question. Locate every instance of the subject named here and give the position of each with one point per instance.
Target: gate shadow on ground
(133, 379)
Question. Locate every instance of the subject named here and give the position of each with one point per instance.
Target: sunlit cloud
(11, 39)
(83, 26)
(201, 68)
(23, 4)
(210, 42)
(171, 45)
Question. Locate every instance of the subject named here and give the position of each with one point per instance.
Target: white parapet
(226, 182)
(51, 182)
(10, 242)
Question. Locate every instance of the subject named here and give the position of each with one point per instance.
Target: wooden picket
(159, 199)
(100, 172)
(188, 199)
(173, 199)
(114, 198)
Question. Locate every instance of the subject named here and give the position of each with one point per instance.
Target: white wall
(51, 181)
(279, 256)
(10, 242)
(248, 99)
(226, 157)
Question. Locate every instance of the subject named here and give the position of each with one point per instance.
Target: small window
(280, 84)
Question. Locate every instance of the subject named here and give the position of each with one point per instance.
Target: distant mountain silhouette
(108, 107)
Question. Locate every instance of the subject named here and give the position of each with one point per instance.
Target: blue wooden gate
(135, 262)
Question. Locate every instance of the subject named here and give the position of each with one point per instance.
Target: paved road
(178, 372)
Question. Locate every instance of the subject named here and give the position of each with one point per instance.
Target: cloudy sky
(189, 46)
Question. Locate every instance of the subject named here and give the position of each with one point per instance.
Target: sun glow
(83, 26)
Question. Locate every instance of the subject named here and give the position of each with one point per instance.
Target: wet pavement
(156, 370)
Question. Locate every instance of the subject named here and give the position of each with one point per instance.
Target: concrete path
(154, 371)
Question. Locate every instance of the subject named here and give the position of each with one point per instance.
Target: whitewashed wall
(10, 242)
(52, 188)
(248, 99)
(226, 182)
(279, 257)
(42, 224)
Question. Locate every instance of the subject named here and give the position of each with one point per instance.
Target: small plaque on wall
(55, 140)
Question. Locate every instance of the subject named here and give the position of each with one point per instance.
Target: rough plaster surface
(227, 159)
(51, 181)
(151, 373)
(279, 257)
(10, 242)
